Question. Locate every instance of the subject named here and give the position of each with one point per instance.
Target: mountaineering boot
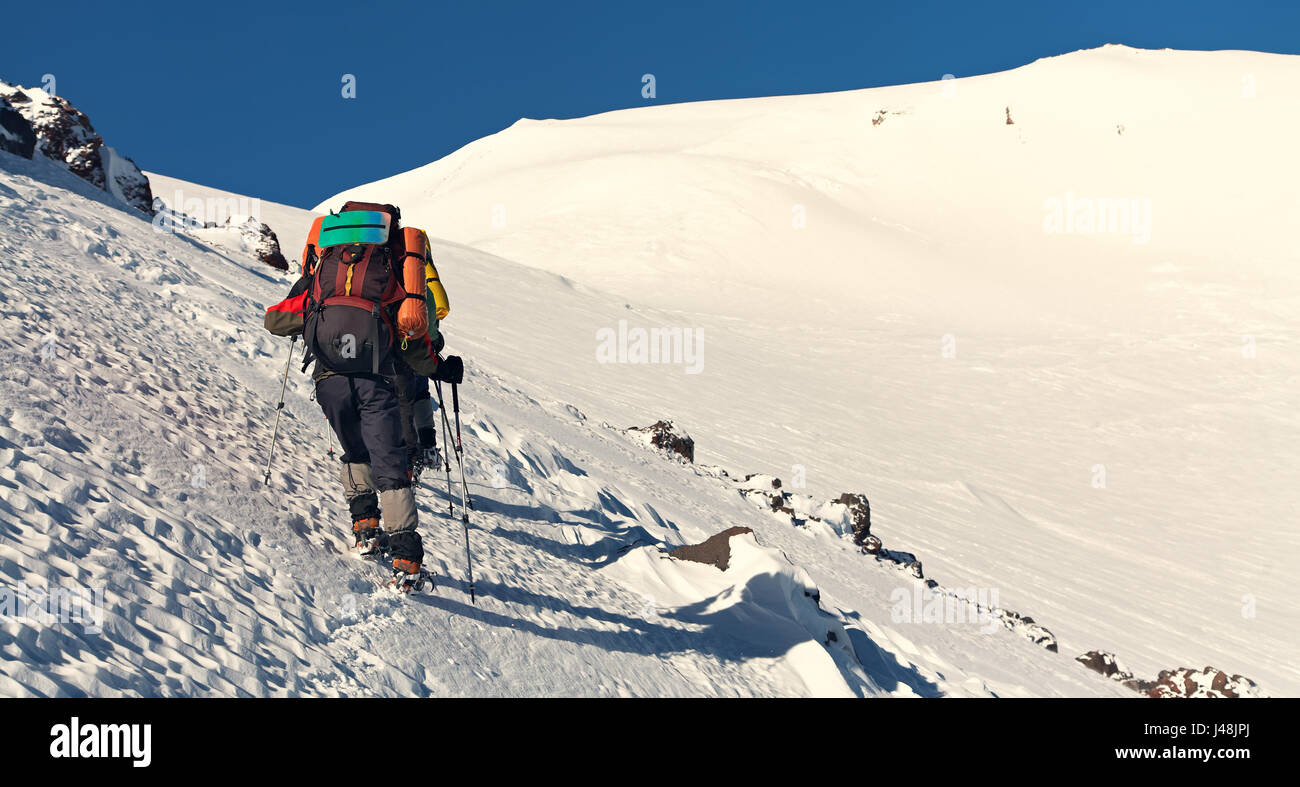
(359, 489)
(404, 543)
(370, 537)
(425, 455)
(423, 442)
(407, 575)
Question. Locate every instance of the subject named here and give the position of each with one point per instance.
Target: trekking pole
(446, 460)
(455, 406)
(279, 408)
(466, 505)
(460, 452)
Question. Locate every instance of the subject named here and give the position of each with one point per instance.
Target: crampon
(423, 460)
(370, 538)
(410, 576)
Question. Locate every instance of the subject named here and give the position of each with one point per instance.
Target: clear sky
(248, 96)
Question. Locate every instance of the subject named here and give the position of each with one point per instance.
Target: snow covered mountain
(63, 133)
(137, 392)
(131, 433)
(1046, 318)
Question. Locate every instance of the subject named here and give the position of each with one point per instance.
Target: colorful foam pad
(354, 226)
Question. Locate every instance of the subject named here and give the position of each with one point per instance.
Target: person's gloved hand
(450, 370)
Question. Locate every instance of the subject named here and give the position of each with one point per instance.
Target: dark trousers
(412, 391)
(367, 418)
(404, 382)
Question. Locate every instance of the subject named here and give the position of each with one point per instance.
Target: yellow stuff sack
(441, 308)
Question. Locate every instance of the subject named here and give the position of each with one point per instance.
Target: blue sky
(248, 96)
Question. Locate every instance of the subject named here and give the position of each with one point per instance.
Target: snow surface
(823, 350)
(130, 460)
(1110, 439)
(230, 212)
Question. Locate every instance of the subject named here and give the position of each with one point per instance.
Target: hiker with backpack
(360, 306)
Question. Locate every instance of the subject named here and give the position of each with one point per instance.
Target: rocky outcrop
(238, 233)
(761, 481)
(1026, 627)
(860, 514)
(850, 515)
(665, 436)
(1193, 684)
(259, 239)
(1106, 664)
(124, 180)
(63, 134)
(714, 551)
(1183, 682)
(16, 134)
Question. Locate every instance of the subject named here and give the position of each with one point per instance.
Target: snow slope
(217, 206)
(137, 391)
(1088, 406)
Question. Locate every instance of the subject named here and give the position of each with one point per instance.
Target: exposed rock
(714, 551)
(904, 560)
(860, 514)
(851, 513)
(123, 179)
(1104, 663)
(64, 134)
(16, 134)
(1183, 682)
(856, 509)
(777, 504)
(664, 435)
(1190, 683)
(238, 233)
(715, 471)
(1025, 625)
(259, 239)
(131, 186)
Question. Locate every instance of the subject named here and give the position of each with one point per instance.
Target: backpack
(355, 289)
(311, 251)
